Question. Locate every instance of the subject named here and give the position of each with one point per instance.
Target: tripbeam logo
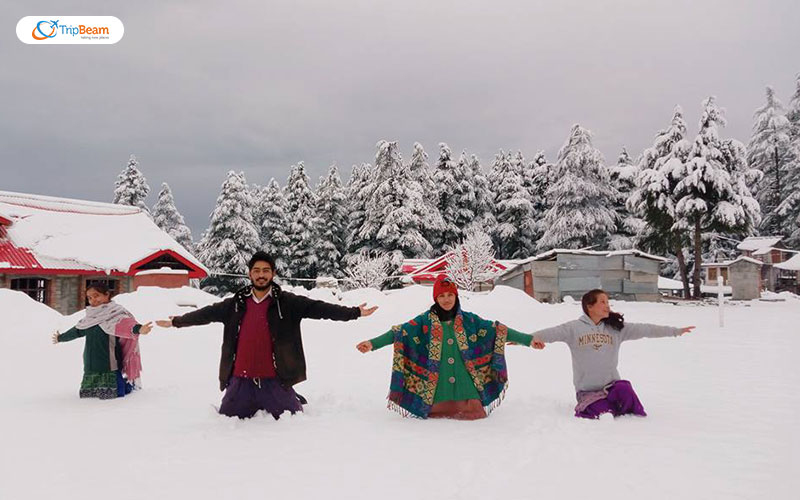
(37, 30)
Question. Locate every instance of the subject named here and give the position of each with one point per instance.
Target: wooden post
(721, 300)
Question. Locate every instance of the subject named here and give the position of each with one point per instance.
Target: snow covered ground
(723, 406)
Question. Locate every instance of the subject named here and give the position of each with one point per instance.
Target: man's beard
(261, 288)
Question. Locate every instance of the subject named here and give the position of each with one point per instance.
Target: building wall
(745, 279)
(161, 280)
(66, 294)
(625, 277)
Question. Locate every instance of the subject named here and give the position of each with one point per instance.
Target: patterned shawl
(417, 352)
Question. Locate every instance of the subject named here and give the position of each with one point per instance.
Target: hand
(55, 338)
(145, 329)
(537, 343)
(365, 346)
(686, 329)
(165, 323)
(366, 311)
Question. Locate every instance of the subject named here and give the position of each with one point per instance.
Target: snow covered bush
(368, 270)
(467, 262)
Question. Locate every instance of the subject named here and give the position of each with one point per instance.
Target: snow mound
(21, 313)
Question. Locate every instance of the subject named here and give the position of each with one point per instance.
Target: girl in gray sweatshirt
(594, 341)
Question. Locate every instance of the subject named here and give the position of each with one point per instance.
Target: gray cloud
(198, 88)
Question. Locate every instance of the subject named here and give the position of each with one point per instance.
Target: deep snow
(723, 406)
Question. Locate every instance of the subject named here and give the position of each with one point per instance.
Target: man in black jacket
(262, 350)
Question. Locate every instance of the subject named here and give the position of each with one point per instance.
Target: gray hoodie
(595, 348)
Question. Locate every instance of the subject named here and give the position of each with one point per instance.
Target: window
(36, 288)
(712, 274)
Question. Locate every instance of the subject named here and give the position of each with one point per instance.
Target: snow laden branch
(468, 263)
(368, 270)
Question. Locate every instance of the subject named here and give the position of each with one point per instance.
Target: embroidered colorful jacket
(417, 357)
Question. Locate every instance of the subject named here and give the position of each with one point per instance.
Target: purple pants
(245, 396)
(621, 400)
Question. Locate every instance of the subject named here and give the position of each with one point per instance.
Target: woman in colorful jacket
(111, 361)
(448, 363)
(594, 341)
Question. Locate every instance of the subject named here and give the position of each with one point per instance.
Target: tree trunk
(698, 258)
(682, 269)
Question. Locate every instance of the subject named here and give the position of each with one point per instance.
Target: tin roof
(54, 235)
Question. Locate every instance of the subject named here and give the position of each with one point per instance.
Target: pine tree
(537, 181)
(445, 177)
(464, 194)
(484, 198)
(329, 224)
(131, 186)
(653, 199)
(396, 208)
(274, 223)
(300, 207)
(512, 209)
(231, 238)
(167, 217)
(789, 209)
(581, 213)
(623, 180)
(712, 194)
(769, 151)
(359, 192)
(421, 172)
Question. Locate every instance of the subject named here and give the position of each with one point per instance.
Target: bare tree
(368, 270)
(468, 263)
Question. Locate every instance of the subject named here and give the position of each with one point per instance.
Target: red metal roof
(431, 270)
(16, 257)
(17, 260)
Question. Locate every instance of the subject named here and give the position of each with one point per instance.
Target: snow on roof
(61, 233)
(792, 264)
(69, 205)
(163, 270)
(753, 243)
(746, 259)
(765, 250)
(724, 263)
(637, 253)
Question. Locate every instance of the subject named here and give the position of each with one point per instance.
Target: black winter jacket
(284, 315)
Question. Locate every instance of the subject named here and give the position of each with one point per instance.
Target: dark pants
(621, 400)
(245, 396)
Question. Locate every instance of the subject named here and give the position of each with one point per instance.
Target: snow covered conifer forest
(685, 197)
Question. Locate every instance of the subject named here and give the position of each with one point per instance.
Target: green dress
(455, 383)
(102, 360)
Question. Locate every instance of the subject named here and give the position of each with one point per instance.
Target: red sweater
(254, 352)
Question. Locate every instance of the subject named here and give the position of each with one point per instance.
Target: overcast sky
(197, 88)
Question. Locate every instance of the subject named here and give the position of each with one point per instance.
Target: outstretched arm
(71, 334)
(128, 328)
(214, 313)
(523, 339)
(634, 331)
(558, 333)
(318, 309)
(376, 343)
